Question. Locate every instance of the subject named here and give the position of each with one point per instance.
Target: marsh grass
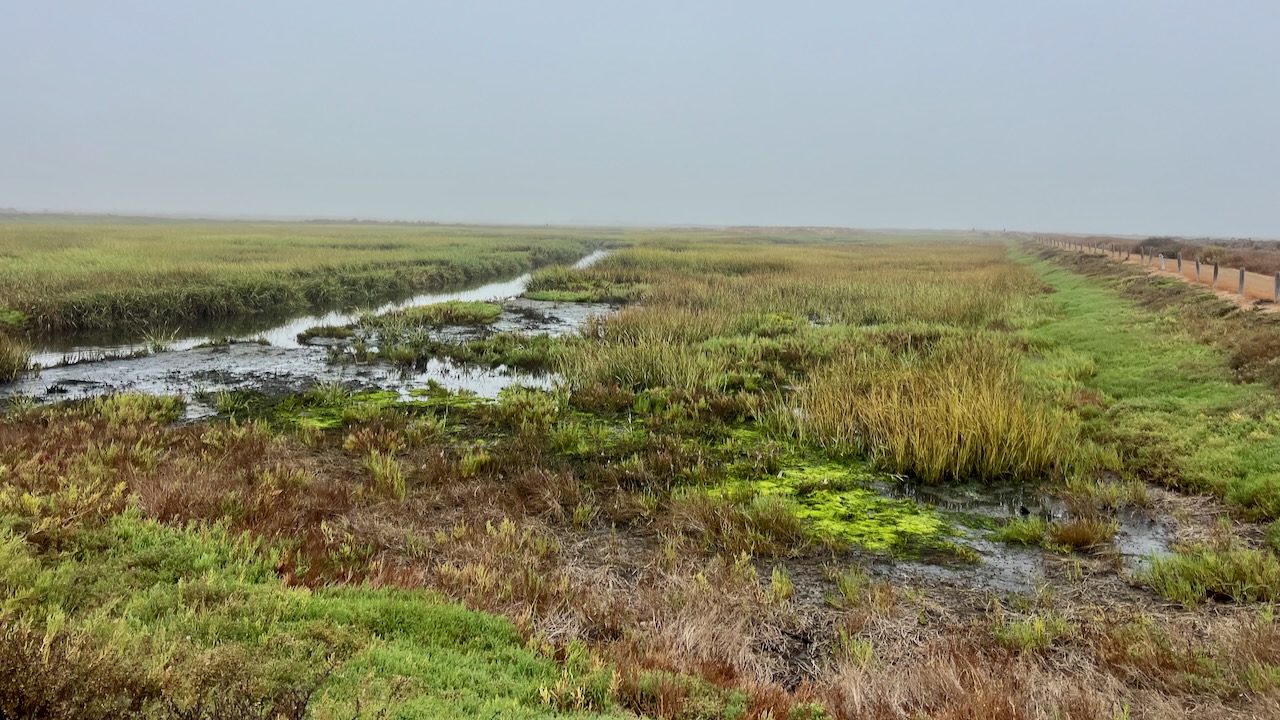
(1031, 530)
(1076, 533)
(1204, 573)
(327, 332)
(122, 276)
(1169, 410)
(594, 284)
(506, 349)
(629, 524)
(451, 312)
(960, 412)
(15, 358)
(386, 476)
(1083, 533)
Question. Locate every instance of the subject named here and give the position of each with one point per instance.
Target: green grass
(729, 430)
(599, 283)
(328, 332)
(452, 312)
(1023, 531)
(1163, 402)
(1203, 573)
(1060, 535)
(180, 608)
(1033, 633)
(132, 276)
(512, 350)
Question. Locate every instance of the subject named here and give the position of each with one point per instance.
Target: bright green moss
(838, 505)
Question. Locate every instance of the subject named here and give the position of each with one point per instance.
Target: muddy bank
(274, 361)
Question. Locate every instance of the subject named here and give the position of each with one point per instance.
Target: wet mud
(273, 360)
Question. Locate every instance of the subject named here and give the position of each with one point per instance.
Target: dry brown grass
(1083, 532)
(505, 540)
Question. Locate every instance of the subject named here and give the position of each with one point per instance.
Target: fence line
(1247, 285)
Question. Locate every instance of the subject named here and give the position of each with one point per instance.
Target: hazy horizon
(1122, 117)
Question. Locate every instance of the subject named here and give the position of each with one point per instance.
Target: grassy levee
(1171, 406)
(105, 276)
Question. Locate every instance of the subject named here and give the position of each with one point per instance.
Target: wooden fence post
(1197, 269)
(1162, 261)
(1179, 262)
(1277, 295)
(1214, 286)
(1242, 281)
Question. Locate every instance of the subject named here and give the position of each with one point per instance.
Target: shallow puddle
(1014, 567)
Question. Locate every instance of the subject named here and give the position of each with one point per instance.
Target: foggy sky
(1080, 115)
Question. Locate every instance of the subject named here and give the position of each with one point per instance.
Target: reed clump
(959, 412)
(15, 358)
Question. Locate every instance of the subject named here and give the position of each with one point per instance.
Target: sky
(1121, 116)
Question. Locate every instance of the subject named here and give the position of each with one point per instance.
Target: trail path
(1259, 289)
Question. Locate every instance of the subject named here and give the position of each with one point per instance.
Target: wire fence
(1249, 285)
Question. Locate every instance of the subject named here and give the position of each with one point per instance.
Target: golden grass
(898, 352)
(958, 413)
(15, 358)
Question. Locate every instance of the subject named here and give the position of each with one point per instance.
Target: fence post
(1128, 254)
(1162, 261)
(1197, 269)
(1179, 262)
(1276, 297)
(1242, 281)
(1214, 286)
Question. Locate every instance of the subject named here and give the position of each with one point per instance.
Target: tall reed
(958, 413)
(15, 358)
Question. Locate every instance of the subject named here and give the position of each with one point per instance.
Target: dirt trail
(1259, 289)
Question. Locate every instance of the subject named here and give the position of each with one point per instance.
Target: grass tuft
(957, 413)
(1203, 573)
(15, 358)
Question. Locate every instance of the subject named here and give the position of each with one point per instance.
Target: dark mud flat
(275, 362)
(249, 366)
